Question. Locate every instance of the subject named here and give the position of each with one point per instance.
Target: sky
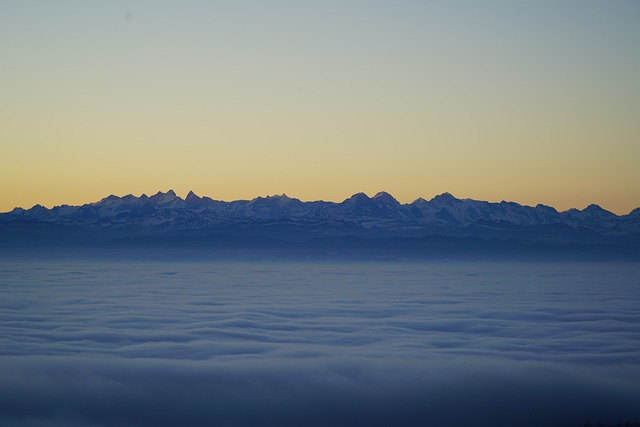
(528, 101)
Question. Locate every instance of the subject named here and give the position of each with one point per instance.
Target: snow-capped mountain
(282, 217)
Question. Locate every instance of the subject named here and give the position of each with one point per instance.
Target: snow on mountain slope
(167, 212)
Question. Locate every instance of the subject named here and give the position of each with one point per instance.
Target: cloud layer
(244, 344)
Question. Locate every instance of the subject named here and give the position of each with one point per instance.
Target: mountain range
(362, 223)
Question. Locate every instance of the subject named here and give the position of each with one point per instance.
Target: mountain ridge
(191, 195)
(287, 219)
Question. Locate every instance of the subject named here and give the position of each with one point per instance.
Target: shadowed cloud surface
(318, 344)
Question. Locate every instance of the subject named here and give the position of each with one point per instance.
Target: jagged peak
(109, 198)
(282, 196)
(593, 207)
(546, 207)
(596, 209)
(165, 198)
(419, 200)
(170, 193)
(444, 197)
(192, 197)
(383, 195)
(275, 198)
(358, 197)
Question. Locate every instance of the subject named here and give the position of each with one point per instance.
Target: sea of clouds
(318, 344)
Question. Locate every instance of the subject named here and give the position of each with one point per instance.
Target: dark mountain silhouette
(358, 224)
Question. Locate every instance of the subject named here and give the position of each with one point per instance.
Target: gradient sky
(527, 101)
